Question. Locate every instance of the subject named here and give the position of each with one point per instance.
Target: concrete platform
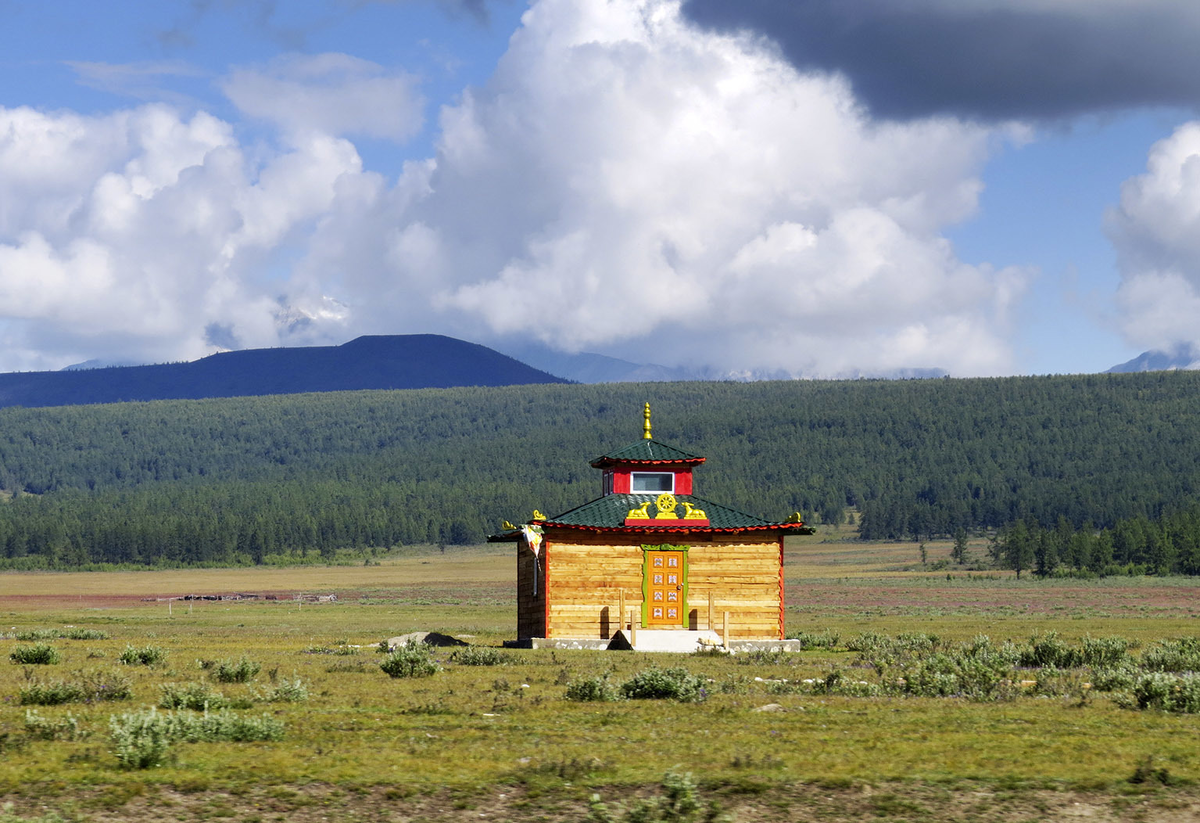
(658, 640)
(680, 642)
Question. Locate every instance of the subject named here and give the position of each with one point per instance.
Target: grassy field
(503, 742)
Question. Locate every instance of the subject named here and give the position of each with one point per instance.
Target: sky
(781, 188)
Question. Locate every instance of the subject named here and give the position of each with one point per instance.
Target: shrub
(242, 670)
(592, 690)
(833, 683)
(410, 660)
(1118, 678)
(881, 651)
(50, 693)
(289, 691)
(1181, 655)
(481, 656)
(226, 726)
(975, 672)
(765, 657)
(39, 654)
(680, 802)
(1178, 693)
(809, 640)
(1106, 651)
(195, 696)
(92, 687)
(665, 684)
(71, 633)
(46, 728)
(1048, 651)
(143, 739)
(145, 656)
(346, 651)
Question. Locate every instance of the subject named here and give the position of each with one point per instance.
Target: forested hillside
(238, 480)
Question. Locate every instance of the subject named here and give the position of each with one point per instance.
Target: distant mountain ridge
(413, 361)
(1183, 356)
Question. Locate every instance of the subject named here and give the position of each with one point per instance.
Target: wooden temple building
(649, 554)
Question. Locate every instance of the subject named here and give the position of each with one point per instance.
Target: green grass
(468, 734)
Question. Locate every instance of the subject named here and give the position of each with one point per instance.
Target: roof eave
(786, 528)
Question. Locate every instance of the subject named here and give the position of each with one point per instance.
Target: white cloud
(623, 182)
(624, 176)
(136, 233)
(142, 80)
(329, 94)
(1156, 231)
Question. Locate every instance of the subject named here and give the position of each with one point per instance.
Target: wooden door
(665, 588)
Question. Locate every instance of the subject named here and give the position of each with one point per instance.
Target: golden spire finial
(646, 425)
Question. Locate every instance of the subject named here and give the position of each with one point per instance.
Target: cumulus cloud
(629, 183)
(625, 182)
(1156, 232)
(990, 59)
(136, 233)
(329, 94)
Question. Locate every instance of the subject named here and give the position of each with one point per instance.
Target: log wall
(587, 573)
(531, 608)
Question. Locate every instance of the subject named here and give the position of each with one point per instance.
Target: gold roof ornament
(537, 515)
(646, 425)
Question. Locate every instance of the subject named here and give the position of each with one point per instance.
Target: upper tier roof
(647, 452)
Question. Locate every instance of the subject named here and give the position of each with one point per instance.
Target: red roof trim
(782, 527)
(605, 462)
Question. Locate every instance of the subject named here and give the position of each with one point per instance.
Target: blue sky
(765, 188)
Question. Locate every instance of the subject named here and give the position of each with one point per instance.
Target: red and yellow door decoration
(664, 586)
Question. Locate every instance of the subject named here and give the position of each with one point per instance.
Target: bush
(1177, 693)
(69, 633)
(346, 651)
(195, 696)
(39, 654)
(881, 651)
(1106, 652)
(1048, 651)
(481, 656)
(410, 660)
(289, 691)
(145, 656)
(592, 690)
(142, 740)
(665, 684)
(50, 693)
(1117, 678)
(45, 728)
(976, 671)
(809, 640)
(833, 683)
(680, 802)
(765, 657)
(93, 687)
(1181, 655)
(241, 671)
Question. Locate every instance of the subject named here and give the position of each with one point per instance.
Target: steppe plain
(502, 742)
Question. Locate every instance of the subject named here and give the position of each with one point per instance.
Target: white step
(669, 640)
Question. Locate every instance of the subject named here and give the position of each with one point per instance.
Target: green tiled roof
(609, 512)
(646, 451)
